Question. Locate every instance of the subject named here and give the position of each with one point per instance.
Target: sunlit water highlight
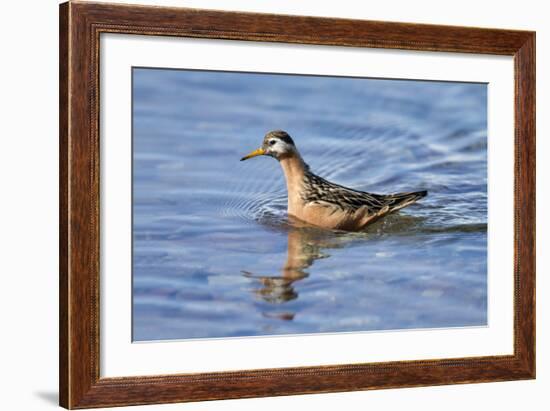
(214, 254)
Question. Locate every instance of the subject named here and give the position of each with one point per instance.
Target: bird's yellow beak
(258, 152)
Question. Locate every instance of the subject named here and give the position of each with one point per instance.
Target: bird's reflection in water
(305, 245)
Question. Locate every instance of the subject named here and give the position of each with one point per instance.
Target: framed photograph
(260, 205)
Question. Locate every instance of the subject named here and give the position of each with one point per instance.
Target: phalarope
(320, 202)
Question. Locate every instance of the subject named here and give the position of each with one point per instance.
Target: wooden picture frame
(80, 27)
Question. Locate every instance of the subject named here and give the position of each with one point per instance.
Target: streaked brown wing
(319, 190)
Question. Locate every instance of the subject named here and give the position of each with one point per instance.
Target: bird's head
(277, 144)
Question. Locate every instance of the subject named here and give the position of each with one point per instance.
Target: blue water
(214, 254)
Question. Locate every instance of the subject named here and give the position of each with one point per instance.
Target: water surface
(214, 254)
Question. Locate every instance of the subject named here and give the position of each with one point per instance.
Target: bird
(319, 202)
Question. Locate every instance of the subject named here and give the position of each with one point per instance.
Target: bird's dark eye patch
(272, 142)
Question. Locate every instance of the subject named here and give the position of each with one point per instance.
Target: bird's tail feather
(401, 200)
